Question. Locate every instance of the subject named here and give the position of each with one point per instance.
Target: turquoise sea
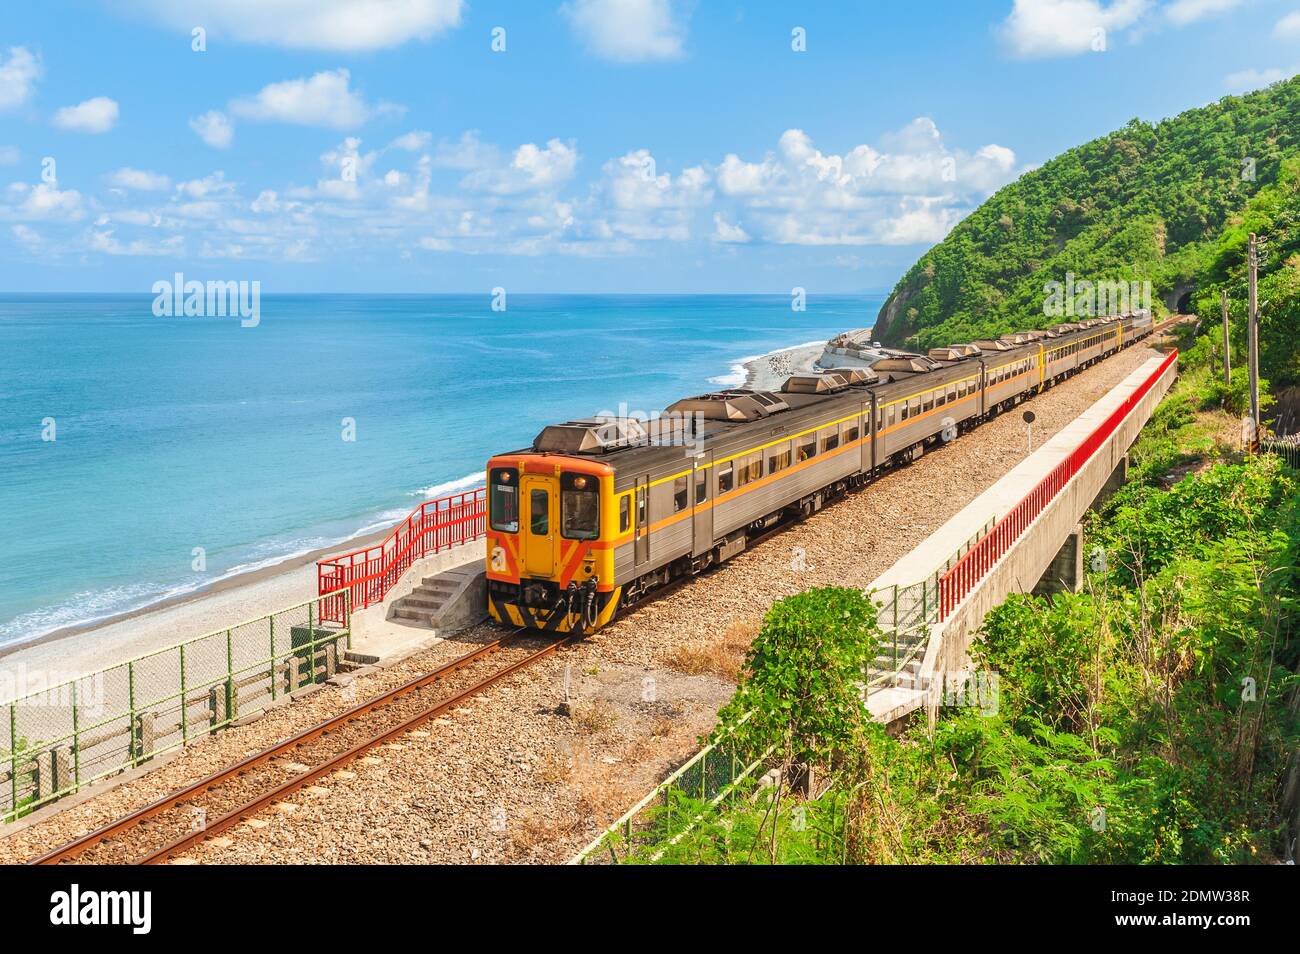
(176, 433)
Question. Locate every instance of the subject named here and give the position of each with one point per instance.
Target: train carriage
(598, 512)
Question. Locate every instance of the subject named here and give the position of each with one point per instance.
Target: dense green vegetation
(1169, 203)
(1152, 718)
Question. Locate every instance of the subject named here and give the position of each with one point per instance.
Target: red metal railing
(970, 569)
(371, 572)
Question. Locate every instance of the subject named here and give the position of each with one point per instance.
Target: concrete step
(423, 602)
(421, 617)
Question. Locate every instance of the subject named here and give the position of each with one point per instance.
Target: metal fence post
(311, 644)
(271, 671)
(230, 679)
(130, 702)
(76, 739)
(185, 717)
(13, 756)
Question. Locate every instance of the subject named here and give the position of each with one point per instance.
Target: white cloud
(105, 241)
(413, 141)
(627, 31)
(1043, 28)
(140, 180)
(531, 168)
(1243, 81)
(266, 201)
(465, 153)
(1288, 28)
(724, 231)
(18, 75)
(26, 236)
(310, 24)
(912, 189)
(97, 115)
(634, 200)
(9, 155)
(326, 99)
(214, 128)
(208, 186)
(45, 200)
(1183, 12)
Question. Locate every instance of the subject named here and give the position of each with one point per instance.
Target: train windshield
(504, 500)
(579, 507)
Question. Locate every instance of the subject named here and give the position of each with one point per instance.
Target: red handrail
(970, 569)
(369, 573)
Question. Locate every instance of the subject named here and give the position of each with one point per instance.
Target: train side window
(701, 486)
(624, 513)
(754, 469)
(807, 448)
(849, 431)
(726, 478)
(830, 440)
(681, 493)
(902, 411)
(779, 460)
(640, 507)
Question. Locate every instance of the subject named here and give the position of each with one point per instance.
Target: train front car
(550, 559)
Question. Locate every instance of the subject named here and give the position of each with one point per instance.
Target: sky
(611, 146)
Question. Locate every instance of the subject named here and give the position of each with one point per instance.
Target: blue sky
(613, 145)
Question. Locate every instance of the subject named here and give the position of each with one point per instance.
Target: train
(598, 512)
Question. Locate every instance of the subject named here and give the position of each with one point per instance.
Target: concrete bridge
(1035, 544)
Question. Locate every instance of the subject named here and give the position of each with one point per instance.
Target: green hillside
(1166, 203)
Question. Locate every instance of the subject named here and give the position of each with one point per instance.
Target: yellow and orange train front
(550, 542)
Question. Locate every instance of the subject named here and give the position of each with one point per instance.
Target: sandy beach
(77, 650)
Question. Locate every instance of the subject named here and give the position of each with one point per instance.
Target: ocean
(146, 457)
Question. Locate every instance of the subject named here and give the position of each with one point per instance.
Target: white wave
(451, 486)
(91, 606)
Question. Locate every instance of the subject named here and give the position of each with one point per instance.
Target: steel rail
(74, 848)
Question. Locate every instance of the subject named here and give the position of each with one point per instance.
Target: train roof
(716, 415)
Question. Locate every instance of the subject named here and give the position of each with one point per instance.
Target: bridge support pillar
(1065, 573)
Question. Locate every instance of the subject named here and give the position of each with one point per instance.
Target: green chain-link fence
(58, 738)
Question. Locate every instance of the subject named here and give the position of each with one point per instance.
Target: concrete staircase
(449, 600)
(908, 646)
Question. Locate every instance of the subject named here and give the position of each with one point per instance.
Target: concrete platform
(379, 639)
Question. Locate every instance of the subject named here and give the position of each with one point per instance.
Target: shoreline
(86, 647)
(287, 569)
(767, 372)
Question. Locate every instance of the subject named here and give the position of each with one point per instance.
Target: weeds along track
(182, 819)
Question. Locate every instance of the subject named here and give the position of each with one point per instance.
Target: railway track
(186, 817)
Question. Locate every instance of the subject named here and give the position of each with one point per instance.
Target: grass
(721, 655)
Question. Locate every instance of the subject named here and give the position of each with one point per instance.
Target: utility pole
(1227, 355)
(1252, 336)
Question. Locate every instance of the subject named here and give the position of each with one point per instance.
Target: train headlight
(579, 483)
